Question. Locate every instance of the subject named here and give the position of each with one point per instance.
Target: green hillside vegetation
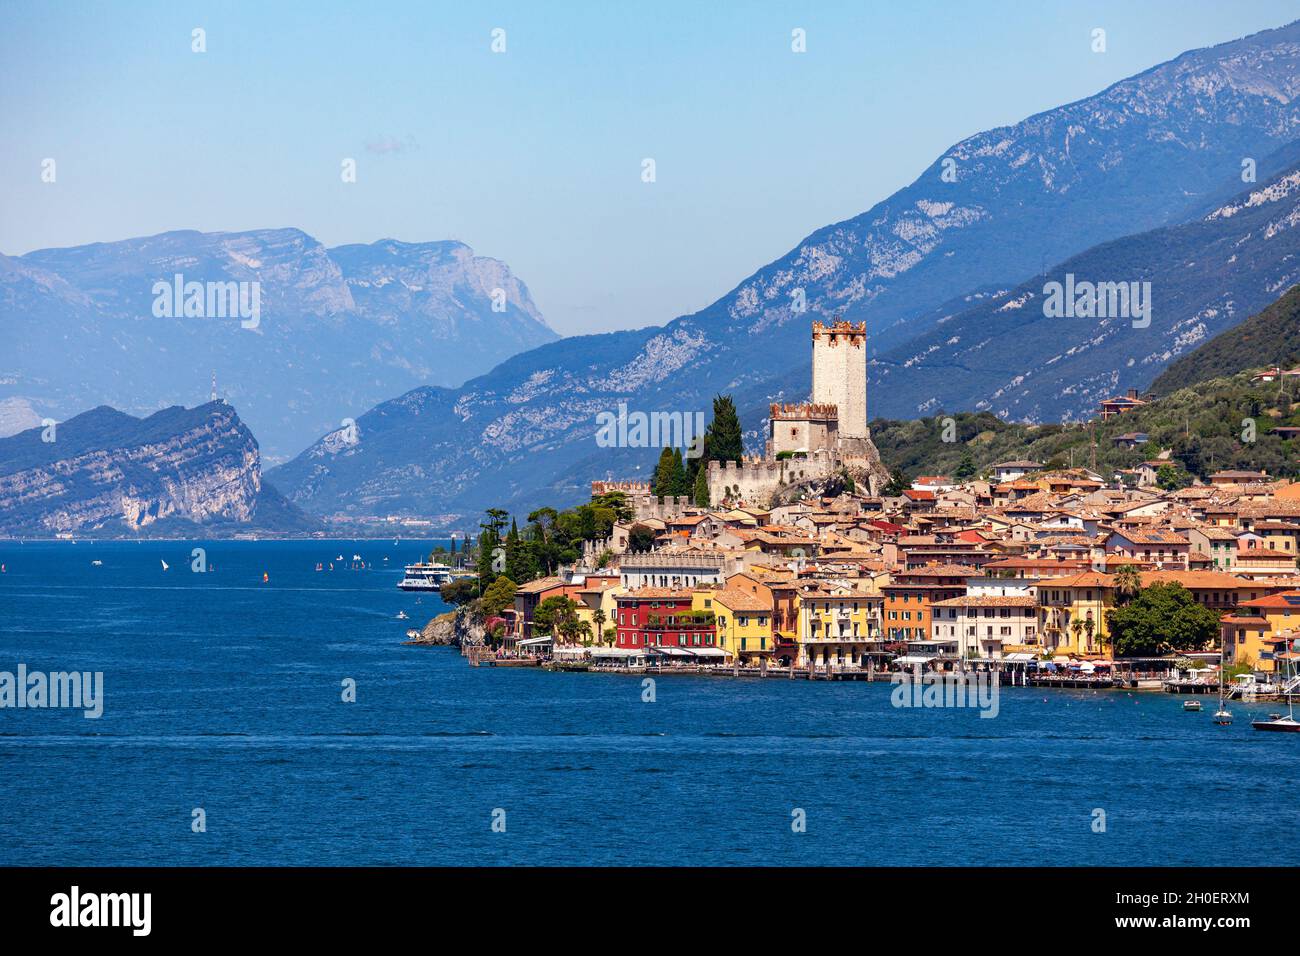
(1207, 428)
(1267, 338)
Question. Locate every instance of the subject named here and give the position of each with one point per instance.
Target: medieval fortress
(808, 441)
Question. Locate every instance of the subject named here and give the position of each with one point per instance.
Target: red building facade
(662, 617)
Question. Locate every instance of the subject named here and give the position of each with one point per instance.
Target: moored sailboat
(1222, 716)
(1285, 723)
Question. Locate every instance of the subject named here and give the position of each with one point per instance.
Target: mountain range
(1160, 150)
(337, 329)
(1008, 355)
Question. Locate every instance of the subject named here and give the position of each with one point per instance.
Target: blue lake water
(224, 693)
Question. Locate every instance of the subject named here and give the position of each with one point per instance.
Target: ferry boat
(425, 576)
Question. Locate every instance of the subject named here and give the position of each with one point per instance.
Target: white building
(677, 568)
(1011, 470)
(983, 623)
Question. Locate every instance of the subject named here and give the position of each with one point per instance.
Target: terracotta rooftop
(738, 600)
(987, 600)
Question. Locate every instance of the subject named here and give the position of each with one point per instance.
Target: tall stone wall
(755, 481)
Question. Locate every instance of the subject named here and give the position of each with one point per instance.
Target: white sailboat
(164, 564)
(1286, 723)
(1222, 716)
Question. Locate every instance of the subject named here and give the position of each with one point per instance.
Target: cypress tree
(723, 441)
(702, 488)
(514, 569)
(679, 481)
(664, 481)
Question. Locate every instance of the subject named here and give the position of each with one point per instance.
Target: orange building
(910, 594)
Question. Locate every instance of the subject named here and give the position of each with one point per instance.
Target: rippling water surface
(224, 693)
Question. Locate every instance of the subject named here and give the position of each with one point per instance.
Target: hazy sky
(534, 156)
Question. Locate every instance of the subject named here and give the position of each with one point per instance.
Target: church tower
(839, 374)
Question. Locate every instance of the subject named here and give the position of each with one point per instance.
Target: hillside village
(1061, 574)
(1022, 567)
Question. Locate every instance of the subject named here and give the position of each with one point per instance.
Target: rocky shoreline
(452, 629)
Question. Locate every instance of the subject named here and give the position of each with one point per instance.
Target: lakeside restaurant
(934, 655)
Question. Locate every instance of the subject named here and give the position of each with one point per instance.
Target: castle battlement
(630, 487)
(840, 330)
(803, 411)
(754, 481)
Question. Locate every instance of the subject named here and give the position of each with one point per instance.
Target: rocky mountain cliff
(105, 472)
(1271, 337)
(1009, 356)
(336, 331)
(1147, 152)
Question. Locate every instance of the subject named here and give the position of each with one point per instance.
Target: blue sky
(534, 156)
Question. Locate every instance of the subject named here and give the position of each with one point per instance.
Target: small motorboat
(402, 616)
(1191, 705)
(97, 563)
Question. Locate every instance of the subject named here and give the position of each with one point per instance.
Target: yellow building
(744, 622)
(836, 622)
(1072, 613)
(1250, 632)
(597, 604)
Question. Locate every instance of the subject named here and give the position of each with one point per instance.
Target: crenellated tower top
(802, 412)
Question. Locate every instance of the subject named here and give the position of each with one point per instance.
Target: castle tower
(839, 374)
(804, 428)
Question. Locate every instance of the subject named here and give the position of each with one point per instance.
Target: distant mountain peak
(338, 330)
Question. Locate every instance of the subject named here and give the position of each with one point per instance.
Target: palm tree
(1128, 582)
(568, 625)
(1076, 628)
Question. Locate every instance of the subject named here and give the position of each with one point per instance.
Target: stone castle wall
(754, 481)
